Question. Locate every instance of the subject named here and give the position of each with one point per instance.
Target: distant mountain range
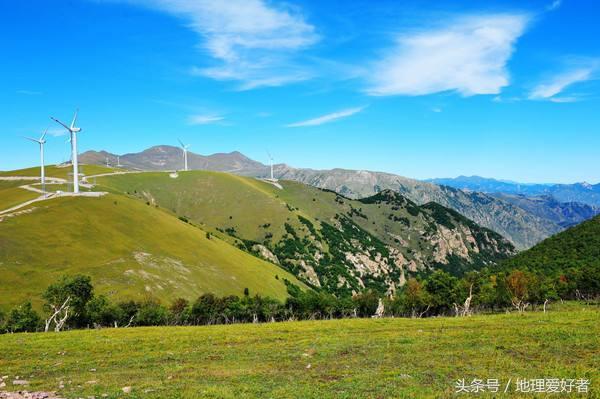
(523, 223)
(578, 192)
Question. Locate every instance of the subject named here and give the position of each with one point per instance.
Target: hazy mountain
(523, 227)
(565, 214)
(579, 192)
(165, 157)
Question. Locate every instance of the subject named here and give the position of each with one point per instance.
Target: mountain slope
(129, 249)
(521, 227)
(565, 214)
(577, 247)
(328, 240)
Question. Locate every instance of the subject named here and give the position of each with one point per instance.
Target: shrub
(23, 318)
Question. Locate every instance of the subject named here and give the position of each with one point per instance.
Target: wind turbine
(41, 142)
(271, 163)
(184, 147)
(73, 135)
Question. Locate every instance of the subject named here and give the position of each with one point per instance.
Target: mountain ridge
(523, 227)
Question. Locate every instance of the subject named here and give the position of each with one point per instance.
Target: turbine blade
(30, 139)
(74, 118)
(44, 135)
(180, 142)
(60, 123)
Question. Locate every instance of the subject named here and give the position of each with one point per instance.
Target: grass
(60, 171)
(130, 250)
(11, 194)
(353, 358)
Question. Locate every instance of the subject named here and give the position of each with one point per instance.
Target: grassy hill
(352, 358)
(328, 240)
(11, 194)
(576, 247)
(60, 171)
(129, 249)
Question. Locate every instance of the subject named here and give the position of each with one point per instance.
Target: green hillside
(577, 247)
(328, 240)
(11, 194)
(129, 249)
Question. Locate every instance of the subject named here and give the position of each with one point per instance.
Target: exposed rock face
(264, 253)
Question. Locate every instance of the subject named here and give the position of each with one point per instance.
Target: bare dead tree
(54, 318)
(130, 321)
(425, 311)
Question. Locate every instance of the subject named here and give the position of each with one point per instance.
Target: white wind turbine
(73, 135)
(41, 142)
(271, 164)
(184, 147)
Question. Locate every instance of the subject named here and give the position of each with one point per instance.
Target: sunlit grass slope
(61, 172)
(11, 194)
(212, 199)
(353, 358)
(129, 249)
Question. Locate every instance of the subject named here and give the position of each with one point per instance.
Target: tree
(517, 284)
(413, 301)
(102, 313)
(151, 313)
(23, 318)
(66, 300)
(443, 290)
(366, 303)
(180, 311)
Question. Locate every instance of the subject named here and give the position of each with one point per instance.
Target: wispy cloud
(558, 83)
(328, 117)
(29, 92)
(56, 132)
(468, 56)
(252, 41)
(554, 5)
(204, 119)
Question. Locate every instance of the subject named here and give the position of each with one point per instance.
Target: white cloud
(436, 109)
(328, 117)
(204, 119)
(554, 5)
(558, 83)
(468, 55)
(57, 132)
(571, 99)
(253, 42)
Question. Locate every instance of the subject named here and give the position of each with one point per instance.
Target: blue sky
(505, 89)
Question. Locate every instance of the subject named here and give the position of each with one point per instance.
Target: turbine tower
(41, 142)
(271, 163)
(73, 135)
(184, 147)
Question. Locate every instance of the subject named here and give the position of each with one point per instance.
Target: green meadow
(351, 358)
